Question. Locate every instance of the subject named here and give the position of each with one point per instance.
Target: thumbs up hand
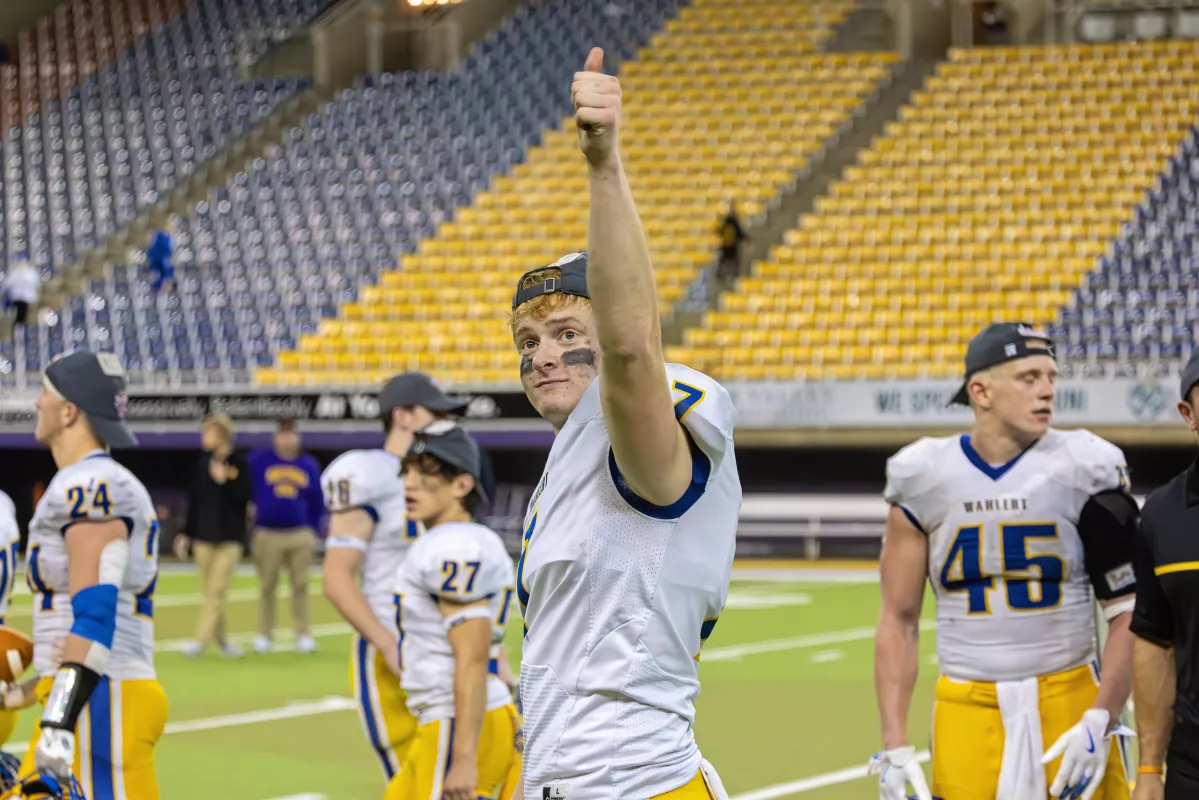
(596, 99)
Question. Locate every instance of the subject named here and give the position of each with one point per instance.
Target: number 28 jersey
(94, 489)
(1005, 556)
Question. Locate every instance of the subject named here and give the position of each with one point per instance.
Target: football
(18, 653)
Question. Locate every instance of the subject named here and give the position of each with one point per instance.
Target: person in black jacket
(215, 530)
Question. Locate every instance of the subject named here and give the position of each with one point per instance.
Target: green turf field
(787, 708)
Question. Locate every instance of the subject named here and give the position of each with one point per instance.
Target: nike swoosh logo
(1090, 743)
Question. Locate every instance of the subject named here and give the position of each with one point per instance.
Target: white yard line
(284, 640)
(310, 708)
(735, 651)
(302, 797)
(177, 600)
(785, 575)
(815, 782)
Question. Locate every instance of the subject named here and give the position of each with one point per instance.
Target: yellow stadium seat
(990, 198)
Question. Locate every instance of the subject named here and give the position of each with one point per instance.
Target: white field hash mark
(737, 651)
(814, 782)
(326, 705)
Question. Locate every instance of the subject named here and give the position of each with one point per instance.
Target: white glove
(55, 754)
(896, 769)
(1084, 750)
(15, 696)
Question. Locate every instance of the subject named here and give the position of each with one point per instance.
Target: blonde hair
(543, 305)
(223, 423)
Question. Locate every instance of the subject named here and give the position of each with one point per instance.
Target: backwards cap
(997, 344)
(573, 281)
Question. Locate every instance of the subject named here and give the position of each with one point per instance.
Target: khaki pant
(272, 550)
(216, 563)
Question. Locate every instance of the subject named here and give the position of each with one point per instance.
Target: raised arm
(903, 566)
(650, 446)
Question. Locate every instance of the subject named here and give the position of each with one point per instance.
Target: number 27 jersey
(94, 489)
(1005, 557)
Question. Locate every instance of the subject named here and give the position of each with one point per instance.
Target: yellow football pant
(430, 758)
(8, 723)
(114, 739)
(968, 734)
(695, 789)
(382, 706)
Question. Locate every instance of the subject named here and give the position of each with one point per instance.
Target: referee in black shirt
(1166, 623)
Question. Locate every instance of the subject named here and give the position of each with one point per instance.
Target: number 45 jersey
(1014, 550)
(94, 489)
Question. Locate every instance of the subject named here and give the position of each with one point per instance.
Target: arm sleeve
(193, 497)
(238, 484)
(10, 539)
(1152, 620)
(1107, 526)
(90, 491)
(316, 501)
(903, 485)
(705, 410)
(456, 568)
(347, 484)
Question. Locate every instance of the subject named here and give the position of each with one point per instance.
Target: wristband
(1150, 770)
(73, 687)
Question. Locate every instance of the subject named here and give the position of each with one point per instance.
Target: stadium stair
(115, 104)
(730, 100)
(992, 197)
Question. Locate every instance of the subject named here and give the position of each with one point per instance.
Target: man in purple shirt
(288, 508)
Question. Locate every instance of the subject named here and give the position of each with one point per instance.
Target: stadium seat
(1018, 184)
(722, 103)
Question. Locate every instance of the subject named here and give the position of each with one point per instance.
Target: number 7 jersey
(1005, 556)
(94, 489)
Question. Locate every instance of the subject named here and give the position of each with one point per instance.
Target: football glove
(45, 787)
(1084, 751)
(896, 769)
(55, 753)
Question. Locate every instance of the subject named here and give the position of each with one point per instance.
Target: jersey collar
(992, 472)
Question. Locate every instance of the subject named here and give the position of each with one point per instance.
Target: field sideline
(787, 708)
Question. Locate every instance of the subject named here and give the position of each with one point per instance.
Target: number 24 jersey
(94, 489)
(1005, 557)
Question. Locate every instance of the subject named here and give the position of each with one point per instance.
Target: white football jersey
(370, 480)
(10, 543)
(461, 562)
(1005, 559)
(619, 596)
(96, 489)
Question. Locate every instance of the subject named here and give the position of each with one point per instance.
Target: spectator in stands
(22, 286)
(4, 54)
(288, 508)
(159, 255)
(731, 236)
(215, 529)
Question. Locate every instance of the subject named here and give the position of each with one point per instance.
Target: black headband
(573, 281)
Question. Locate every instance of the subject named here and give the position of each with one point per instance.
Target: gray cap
(416, 389)
(95, 382)
(1190, 374)
(455, 447)
(997, 344)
